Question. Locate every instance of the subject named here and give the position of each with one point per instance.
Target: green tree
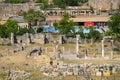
(83, 1)
(45, 3)
(22, 31)
(82, 35)
(80, 32)
(15, 1)
(31, 30)
(11, 26)
(60, 3)
(65, 3)
(94, 34)
(40, 1)
(65, 25)
(109, 33)
(114, 24)
(39, 30)
(8, 28)
(33, 17)
(25, 30)
(3, 32)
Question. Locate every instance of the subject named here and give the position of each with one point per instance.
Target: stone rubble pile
(17, 74)
(79, 69)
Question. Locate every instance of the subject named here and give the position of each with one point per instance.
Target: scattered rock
(1, 55)
(17, 74)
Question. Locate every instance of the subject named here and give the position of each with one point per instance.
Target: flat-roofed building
(76, 11)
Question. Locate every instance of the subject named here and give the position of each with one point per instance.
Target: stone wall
(7, 9)
(4, 41)
(104, 4)
(12, 9)
(37, 38)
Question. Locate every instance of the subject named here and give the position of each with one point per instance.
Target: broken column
(46, 39)
(103, 52)
(27, 39)
(86, 53)
(77, 45)
(58, 52)
(42, 39)
(12, 38)
(60, 39)
(111, 49)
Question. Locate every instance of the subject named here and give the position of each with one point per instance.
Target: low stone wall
(4, 41)
(37, 38)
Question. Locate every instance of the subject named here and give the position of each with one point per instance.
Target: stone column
(12, 38)
(86, 53)
(77, 45)
(111, 49)
(61, 39)
(95, 12)
(103, 52)
(57, 53)
(42, 39)
(27, 39)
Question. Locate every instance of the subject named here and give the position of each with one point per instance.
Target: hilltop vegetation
(15, 1)
(65, 3)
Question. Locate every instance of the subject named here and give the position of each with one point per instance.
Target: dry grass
(20, 61)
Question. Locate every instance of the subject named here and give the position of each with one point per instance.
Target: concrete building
(81, 20)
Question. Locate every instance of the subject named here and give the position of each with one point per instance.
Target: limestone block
(98, 73)
(60, 62)
(69, 73)
(93, 74)
(55, 62)
(50, 50)
(113, 70)
(39, 41)
(107, 73)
